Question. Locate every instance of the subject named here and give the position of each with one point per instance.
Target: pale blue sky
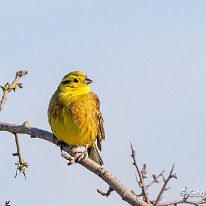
(147, 61)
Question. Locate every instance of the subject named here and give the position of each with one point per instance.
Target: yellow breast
(73, 121)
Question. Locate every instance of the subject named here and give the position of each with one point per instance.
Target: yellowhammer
(74, 114)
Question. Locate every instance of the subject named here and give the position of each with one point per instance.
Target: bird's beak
(87, 81)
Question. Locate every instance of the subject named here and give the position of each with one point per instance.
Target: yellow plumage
(74, 114)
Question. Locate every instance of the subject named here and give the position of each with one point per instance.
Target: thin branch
(21, 164)
(184, 201)
(18, 147)
(155, 179)
(7, 203)
(106, 194)
(142, 184)
(164, 187)
(13, 86)
(104, 174)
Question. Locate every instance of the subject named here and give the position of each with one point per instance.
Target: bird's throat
(73, 92)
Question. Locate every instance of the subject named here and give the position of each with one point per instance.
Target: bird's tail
(94, 154)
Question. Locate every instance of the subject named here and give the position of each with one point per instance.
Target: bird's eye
(66, 82)
(76, 80)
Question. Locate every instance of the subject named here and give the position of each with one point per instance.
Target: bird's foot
(78, 157)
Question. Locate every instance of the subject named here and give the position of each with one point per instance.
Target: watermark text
(192, 192)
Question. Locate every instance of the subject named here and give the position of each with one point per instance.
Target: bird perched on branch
(74, 115)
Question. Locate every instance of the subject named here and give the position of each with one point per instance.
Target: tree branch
(7, 203)
(166, 181)
(104, 174)
(13, 86)
(184, 201)
(21, 164)
(141, 184)
(155, 179)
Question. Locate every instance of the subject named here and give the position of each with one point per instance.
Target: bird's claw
(78, 157)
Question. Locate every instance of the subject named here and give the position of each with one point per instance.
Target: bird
(74, 115)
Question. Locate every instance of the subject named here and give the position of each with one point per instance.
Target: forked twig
(7, 203)
(164, 187)
(155, 179)
(13, 86)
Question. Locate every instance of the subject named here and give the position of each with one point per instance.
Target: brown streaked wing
(100, 134)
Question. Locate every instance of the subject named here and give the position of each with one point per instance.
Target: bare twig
(106, 194)
(164, 187)
(13, 86)
(104, 174)
(141, 183)
(155, 179)
(7, 203)
(21, 164)
(184, 201)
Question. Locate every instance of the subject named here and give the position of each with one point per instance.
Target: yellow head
(75, 83)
